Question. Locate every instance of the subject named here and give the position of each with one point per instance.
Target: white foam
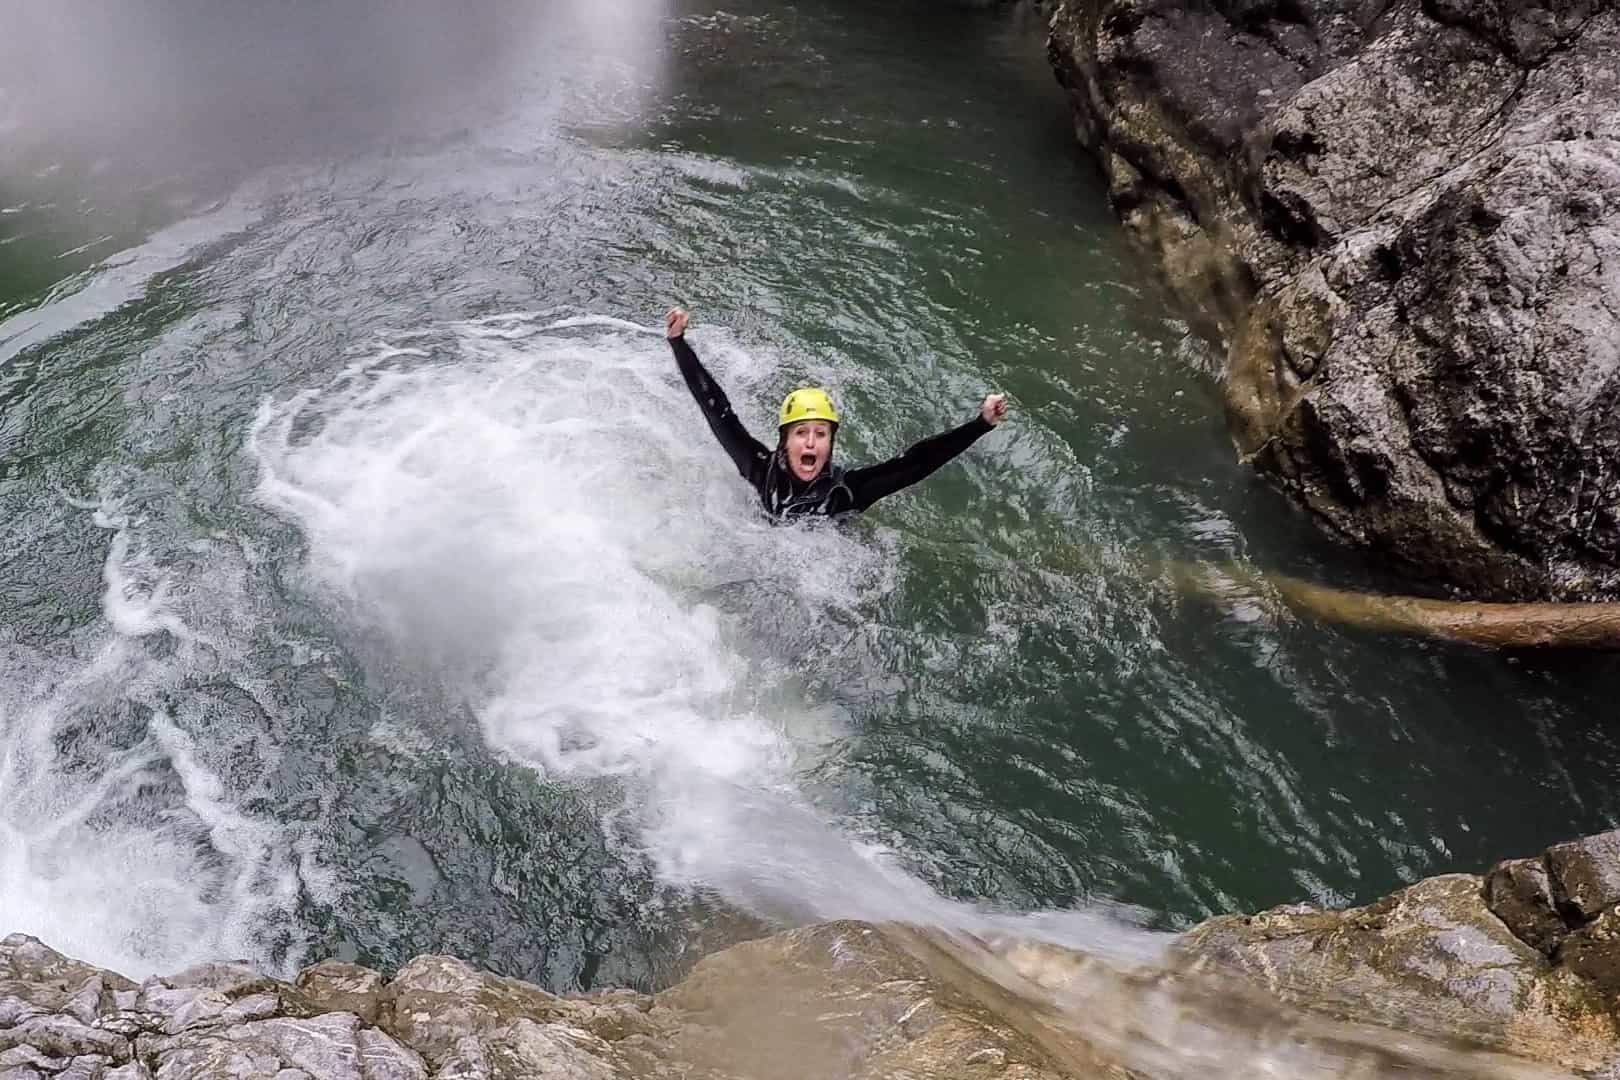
(533, 511)
(540, 516)
(119, 843)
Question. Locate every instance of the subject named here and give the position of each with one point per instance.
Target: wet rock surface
(1400, 221)
(1510, 974)
(840, 1000)
(1509, 959)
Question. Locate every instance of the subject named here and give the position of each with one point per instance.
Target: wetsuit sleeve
(747, 453)
(872, 483)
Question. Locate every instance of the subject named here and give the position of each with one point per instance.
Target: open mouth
(807, 461)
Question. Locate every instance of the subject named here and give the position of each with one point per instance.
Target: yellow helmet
(807, 404)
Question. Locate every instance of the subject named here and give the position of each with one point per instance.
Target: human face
(808, 446)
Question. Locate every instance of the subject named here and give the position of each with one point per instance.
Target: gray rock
(38, 982)
(343, 987)
(1519, 893)
(14, 1010)
(1593, 951)
(64, 1037)
(332, 1046)
(868, 1006)
(381, 1058)
(215, 1059)
(865, 998)
(231, 979)
(1436, 957)
(613, 1015)
(253, 1007)
(132, 1023)
(525, 1049)
(90, 1001)
(28, 1055)
(26, 959)
(223, 994)
(85, 1068)
(466, 1059)
(851, 1001)
(437, 1001)
(178, 1008)
(1586, 875)
(1400, 221)
(1433, 948)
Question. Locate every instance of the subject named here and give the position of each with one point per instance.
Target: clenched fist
(994, 409)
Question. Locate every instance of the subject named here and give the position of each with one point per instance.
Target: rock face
(841, 1000)
(1525, 959)
(1510, 975)
(1400, 220)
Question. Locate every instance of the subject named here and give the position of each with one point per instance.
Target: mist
(205, 81)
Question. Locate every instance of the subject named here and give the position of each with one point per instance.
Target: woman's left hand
(994, 409)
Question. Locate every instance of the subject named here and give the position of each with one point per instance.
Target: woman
(798, 478)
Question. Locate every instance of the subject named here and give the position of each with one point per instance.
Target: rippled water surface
(371, 586)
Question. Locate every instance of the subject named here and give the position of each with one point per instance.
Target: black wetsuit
(835, 490)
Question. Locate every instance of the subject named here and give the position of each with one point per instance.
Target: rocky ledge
(1400, 221)
(1511, 974)
(841, 1000)
(1525, 959)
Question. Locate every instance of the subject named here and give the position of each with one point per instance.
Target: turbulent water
(371, 586)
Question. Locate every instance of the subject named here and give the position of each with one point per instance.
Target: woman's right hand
(675, 323)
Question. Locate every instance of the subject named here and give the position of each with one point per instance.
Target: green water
(350, 605)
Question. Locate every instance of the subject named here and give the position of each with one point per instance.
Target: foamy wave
(532, 508)
(118, 840)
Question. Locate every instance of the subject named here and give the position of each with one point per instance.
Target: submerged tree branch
(1495, 625)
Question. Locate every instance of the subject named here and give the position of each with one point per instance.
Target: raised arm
(872, 483)
(747, 452)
